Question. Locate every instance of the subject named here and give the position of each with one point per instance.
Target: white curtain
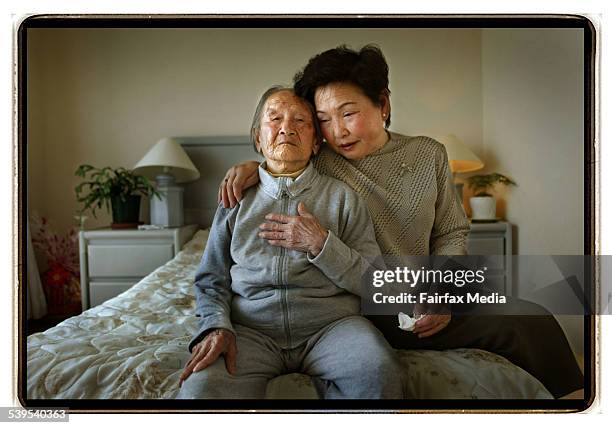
(36, 303)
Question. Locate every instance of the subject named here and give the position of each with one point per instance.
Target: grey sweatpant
(348, 359)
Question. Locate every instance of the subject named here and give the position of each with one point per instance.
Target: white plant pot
(483, 207)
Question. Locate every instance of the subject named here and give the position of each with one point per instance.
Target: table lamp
(168, 164)
(460, 158)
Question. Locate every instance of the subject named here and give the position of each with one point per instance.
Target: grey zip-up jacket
(285, 294)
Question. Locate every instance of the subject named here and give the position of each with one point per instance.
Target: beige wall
(533, 130)
(105, 96)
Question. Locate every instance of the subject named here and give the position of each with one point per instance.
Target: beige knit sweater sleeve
(451, 226)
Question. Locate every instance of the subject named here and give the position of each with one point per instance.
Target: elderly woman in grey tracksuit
(269, 310)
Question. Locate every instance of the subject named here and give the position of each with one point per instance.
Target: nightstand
(494, 241)
(114, 260)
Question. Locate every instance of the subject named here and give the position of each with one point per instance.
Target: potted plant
(483, 203)
(116, 188)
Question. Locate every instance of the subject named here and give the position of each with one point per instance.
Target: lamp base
(168, 212)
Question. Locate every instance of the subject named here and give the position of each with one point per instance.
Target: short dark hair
(366, 68)
(256, 123)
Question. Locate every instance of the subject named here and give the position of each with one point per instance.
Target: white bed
(134, 346)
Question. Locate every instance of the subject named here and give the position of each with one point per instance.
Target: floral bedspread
(135, 346)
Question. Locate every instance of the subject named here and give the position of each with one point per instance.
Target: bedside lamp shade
(167, 156)
(460, 157)
(167, 163)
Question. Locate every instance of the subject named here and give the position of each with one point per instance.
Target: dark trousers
(534, 342)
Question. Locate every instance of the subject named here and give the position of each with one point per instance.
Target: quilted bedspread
(135, 346)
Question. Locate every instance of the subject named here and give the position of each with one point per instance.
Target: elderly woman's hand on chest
(302, 232)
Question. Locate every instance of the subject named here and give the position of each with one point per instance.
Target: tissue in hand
(406, 322)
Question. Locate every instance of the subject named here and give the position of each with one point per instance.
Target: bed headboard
(212, 156)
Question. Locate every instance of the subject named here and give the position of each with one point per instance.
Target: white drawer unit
(494, 241)
(127, 260)
(114, 260)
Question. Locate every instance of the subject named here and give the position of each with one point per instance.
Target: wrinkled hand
(302, 232)
(217, 342)
(238, 178)
(430, 324)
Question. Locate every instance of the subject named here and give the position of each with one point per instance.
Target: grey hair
(256, 124)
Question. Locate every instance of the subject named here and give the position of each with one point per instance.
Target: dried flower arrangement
(61, 280)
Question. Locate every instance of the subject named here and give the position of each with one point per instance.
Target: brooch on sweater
(404, 168)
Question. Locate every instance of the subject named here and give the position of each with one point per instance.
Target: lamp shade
(167, 156)
(460, 157)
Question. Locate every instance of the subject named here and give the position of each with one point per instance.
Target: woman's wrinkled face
(287, 136)
(351, 123)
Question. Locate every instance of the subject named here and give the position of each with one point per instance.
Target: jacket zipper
(281, 268)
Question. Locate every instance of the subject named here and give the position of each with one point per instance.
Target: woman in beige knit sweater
(407, 185)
